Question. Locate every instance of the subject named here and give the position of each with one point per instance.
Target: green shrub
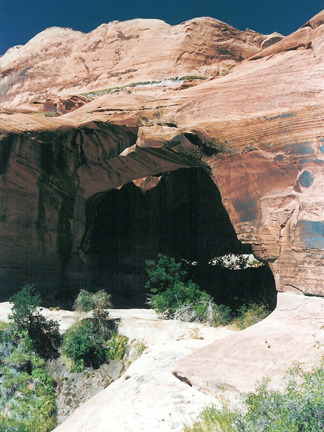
(27, 396)
(299, 408)
(116, 347)
(163, 273)
(214, 419)
(139, 346)
(84, 343)
(174, 296)
(3, 327)
(171, 290)
(250, 314)
(205, 311)
(91, 342)
(44, 334)
(25, 304)
(179, 295)
(83, 302)
(95, 302)
(86, 301)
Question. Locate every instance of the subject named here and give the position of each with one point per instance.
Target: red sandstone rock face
(63, 62)
(54, 106)
(258, 131)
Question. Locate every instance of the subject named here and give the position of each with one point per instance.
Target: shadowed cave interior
(179, 214)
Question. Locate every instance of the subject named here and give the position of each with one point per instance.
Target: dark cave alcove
(181, 216)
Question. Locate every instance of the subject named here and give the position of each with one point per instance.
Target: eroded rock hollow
(179, 214)
(254, 125)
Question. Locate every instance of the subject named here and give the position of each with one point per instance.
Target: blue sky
(20, 20)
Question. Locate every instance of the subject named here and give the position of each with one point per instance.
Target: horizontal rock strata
(257, 131)
(61, 61)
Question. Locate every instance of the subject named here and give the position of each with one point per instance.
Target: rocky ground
(149, 397)
(74, 388)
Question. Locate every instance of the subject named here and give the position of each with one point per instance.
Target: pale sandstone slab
(235, 364)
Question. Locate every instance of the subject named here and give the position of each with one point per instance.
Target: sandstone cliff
(60, 62)
(257, 131)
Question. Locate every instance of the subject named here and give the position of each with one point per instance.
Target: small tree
(25, 304)
(163, 273)
(171, 290)
(44, 334)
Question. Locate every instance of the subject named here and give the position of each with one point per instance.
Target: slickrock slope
(147, 397)
(257, 131)
(62, 62)
(294, 332)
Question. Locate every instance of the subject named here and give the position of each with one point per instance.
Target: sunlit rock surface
(61, 61)
(292, 333)
(257, 131)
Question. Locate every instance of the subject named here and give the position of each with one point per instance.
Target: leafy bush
(91, 342)
(44, 334)
(86, 301)
(206, 311)
(250, 314)
(174, 296)
(25, 304)
(300, 408)
(84, 343)
(95, 302)
(3, 328)
(27, 396)
(139, 346)
(179, 295)
(116, 347)
(213, 419)
(171, 289)
(163, 273)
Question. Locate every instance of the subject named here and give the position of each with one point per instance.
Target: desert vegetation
(27, 390)
(299, 408)
(173, 295)
(93, 340)
(27, 393)
(177, 80)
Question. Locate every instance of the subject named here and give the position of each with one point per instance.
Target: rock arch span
(51, 170)
(177, 213)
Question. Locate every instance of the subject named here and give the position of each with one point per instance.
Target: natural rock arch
(180, 214)
(259, 134)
